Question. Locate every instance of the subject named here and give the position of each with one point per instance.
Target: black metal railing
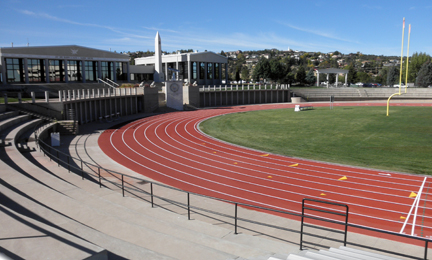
(325, 210)
(67, 161)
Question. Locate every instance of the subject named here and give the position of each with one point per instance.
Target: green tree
(363, 77)
(276, 70)
(262, 70)
(310, 77)
(352, 74)
(237, 74)
(424, 77)
(392, 75)
(301, 75)
(416, 62)
(245, 74)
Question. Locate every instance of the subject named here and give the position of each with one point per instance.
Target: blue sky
(369, 27)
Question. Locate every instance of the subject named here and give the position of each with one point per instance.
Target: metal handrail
(112, 82)
(323, 211)
(106, 83)
(44, 148)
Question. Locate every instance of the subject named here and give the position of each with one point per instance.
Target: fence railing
(243, 87)
(117, 181)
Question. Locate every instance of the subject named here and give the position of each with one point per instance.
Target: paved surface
(85, 146)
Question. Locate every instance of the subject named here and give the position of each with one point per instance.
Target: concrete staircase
(48, 213)
(341, 253)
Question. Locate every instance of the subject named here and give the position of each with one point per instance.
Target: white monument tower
(158, 75)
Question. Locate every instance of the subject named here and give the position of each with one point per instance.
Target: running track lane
(170, 148)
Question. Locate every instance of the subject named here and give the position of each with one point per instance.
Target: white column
(327, 80)
(337, 79)
(346, 79)
(317, 84)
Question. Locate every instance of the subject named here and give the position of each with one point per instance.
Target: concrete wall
(243, 97)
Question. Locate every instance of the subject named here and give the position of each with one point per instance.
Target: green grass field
(361, 136)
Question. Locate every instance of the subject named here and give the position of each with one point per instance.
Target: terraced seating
(323, 94)
(342, 252)
(83, 221)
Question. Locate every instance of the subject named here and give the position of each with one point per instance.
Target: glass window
(202, 70)
(120, 70)
(56, 70)
(91, 69)
(209, 70)
(194, 70)
(14, 70)
(216, 71)
(36, 70)
(107, 70)
(74, 70)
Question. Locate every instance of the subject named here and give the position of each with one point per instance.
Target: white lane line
(155, 131)
(415, 213)
(415, 202)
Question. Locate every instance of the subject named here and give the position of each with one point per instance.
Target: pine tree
(424, 77)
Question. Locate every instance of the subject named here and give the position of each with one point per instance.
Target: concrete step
(367, 253)
(129, 223)
(29, 238)
(8, 114)
(341, 253)
(38, 212)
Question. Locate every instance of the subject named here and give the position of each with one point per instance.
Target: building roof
(332, 70)
(68, 52)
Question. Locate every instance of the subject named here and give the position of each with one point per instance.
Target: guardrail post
(235, 219)
(123, 184)
(151, 194)
(188, 203)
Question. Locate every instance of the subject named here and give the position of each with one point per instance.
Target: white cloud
(315, 32)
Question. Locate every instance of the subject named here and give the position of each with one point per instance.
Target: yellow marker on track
(294, 165)
(401, 217)
(235, 163)
(269, 177)
(343, 178)
(264, 155)
(323, 194)
(413, 195)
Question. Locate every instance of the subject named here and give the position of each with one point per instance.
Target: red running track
(171, 149)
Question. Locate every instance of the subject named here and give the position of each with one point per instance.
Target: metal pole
(301, 227)
(188, 202)
(151, 194)
(235, 220)
(123, 185)
(346, 226)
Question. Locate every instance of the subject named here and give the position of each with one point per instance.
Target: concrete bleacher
(353, 94)
(47, 212)
(345, 253)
